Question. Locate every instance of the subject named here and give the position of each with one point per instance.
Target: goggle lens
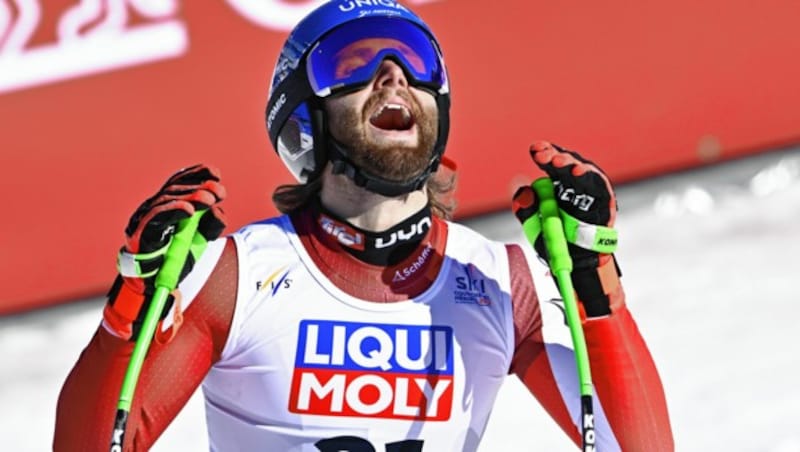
(350, 55)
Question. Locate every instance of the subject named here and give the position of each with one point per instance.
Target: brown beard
(396, 162)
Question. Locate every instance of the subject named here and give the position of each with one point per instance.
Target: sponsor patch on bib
(373, 370)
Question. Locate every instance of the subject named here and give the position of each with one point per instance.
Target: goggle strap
(287, 96)
(443, 107)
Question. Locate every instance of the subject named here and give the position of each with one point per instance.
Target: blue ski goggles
(349, 56)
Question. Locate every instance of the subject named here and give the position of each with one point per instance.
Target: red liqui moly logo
(375, 370)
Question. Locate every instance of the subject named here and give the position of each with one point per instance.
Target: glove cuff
(127, 304)
(593, 286)
(123, 307)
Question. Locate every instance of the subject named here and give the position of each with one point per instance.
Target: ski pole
(166, 281)
(561, 266)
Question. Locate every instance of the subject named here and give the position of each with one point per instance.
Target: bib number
(356, 444)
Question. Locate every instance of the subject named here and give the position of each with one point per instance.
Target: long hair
(289, 198)
(441, 186)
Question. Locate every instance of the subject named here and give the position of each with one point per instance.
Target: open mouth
(393, 117)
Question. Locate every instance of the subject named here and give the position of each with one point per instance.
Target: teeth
(392, 117)
(406, 115)
(402, 108)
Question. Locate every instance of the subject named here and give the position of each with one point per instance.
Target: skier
(362, 319)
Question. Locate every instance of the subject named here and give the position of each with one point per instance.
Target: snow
(710, 266)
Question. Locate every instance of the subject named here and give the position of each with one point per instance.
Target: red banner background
(641, 88)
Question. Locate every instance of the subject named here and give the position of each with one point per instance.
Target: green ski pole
(560, 262)
(166, 281)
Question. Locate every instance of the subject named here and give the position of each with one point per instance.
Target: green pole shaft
(561, 266)
(140, 349)
(166, 281)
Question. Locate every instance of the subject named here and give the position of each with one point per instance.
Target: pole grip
(552, 227)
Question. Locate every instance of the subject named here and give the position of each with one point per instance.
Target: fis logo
(471, 288)
(279, 279)
(373, 370)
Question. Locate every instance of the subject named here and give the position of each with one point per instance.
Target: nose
(390, 74)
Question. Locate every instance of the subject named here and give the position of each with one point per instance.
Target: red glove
(147, 238)
(584, 193)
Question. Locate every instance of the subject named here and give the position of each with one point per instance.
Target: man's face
(389, 126)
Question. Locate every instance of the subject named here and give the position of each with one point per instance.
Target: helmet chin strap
(337, 155)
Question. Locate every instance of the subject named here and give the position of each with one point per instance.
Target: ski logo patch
(471, 288)
(373, 370)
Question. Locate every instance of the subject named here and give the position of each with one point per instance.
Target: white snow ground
(710, 263)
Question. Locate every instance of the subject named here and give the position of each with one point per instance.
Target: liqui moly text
(375, 370)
